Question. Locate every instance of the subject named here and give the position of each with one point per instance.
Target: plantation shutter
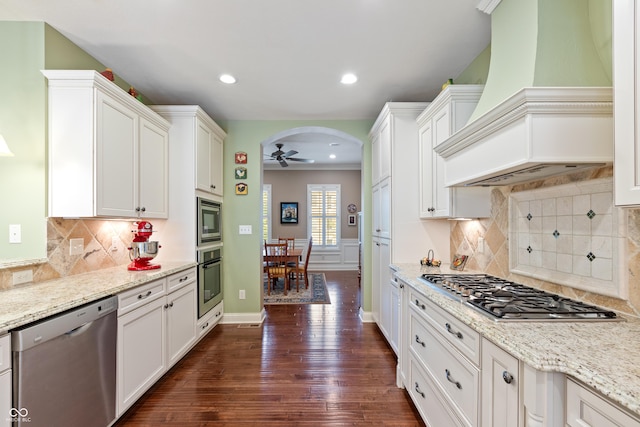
(324, 214)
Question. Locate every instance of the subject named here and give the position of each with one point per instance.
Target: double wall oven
(209, 254)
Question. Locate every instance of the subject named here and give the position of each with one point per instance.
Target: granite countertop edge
(602, 355)
(28, 303)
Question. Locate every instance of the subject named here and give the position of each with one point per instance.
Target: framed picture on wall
(351, 220)
(288, 212)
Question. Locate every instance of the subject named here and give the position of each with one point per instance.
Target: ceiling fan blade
(277, 153)
(282, 162)
(296, 159)
(289, 153)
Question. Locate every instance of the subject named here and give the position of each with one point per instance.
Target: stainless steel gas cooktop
(504, 300)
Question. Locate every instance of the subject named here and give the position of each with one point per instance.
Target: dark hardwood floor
(307, 365)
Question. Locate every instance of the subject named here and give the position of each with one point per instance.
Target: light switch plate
(245, 229)
(15, 233)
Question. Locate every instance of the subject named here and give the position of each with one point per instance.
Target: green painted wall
(476, 73)
(242, 253)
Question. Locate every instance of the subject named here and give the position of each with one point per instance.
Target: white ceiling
(287, 55)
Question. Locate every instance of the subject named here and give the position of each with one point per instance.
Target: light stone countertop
(35, 301)
(602, 355)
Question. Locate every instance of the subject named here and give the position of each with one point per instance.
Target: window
(323, 203)
(266, 212)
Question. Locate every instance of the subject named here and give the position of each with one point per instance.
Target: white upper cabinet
(448, 113)
(108, 152)
(199, 137)
(626, 45)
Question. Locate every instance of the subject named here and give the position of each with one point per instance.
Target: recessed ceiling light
(334, 144)
(332, 156)
(228, 79)
(348, 79)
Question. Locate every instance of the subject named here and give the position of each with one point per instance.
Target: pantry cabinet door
(500, 387)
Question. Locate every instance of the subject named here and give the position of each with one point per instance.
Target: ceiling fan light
(349, 79)
(228, 79)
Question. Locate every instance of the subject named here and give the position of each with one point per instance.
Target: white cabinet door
(626, 69)
(375, 159)
(394, 315)
(141, 351)
(500, 387)
(181, 309)
(375, 214)
(153, 173)
(375, 280)
(587, 409)
(216, 165)
(447, 114)
(116, 158)
(383, 250)
(204, 137)
(425, 134)
(385, 149)
(5, 399)
(385, 208)
(209, 151)
(5, 381)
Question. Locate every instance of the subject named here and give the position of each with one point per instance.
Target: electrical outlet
(480, 248)
(242, 294)
(76, 246)
(114, 244)
(23, 276)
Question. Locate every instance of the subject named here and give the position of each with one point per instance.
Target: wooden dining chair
(276, 265)
(290, 241)
(301, 268)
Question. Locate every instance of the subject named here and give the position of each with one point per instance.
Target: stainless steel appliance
(504, 300)
(209, 279)
(65, 368)
(209, 221)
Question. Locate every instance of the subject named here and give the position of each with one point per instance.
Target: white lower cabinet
(5, 381)
(587, 409)
(454, 378)
(156, 327)
(500, 387)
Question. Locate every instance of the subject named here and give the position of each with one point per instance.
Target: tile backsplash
(105, 245)
(495, 258)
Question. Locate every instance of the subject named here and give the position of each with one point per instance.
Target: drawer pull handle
(422, 306)
(182, 279)
(420, 342)
(417, 388)
(451, 331)
(451, 380)
(401, 285)
(507, 377)
(145, 295)
(205, 325)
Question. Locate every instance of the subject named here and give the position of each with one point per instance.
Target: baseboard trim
(234, 318)
(366, 316)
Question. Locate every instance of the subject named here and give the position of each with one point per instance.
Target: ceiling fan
(282, 157)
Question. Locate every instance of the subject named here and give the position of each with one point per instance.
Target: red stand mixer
(142, 250)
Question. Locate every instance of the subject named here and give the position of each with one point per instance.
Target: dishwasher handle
(79, 330)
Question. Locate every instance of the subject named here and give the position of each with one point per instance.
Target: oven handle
(211, 263)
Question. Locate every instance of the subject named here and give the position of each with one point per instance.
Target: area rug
(316, 293)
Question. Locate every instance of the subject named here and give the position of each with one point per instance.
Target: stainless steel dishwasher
(64, 368)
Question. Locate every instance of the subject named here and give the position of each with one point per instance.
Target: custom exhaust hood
(547, 106)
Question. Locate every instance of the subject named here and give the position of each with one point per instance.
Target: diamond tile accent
(591, 214)
(529, 216)
(591, 256)
(556, 234)
(529, 249)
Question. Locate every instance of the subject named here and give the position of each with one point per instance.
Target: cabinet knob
(507, 377)
(143, 209)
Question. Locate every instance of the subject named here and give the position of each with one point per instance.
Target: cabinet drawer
(178, 280)
(430, 403)
(5, 352)
(585, 408)
(209, 320)
(136, 297)
(454, 375)
(461, 336)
